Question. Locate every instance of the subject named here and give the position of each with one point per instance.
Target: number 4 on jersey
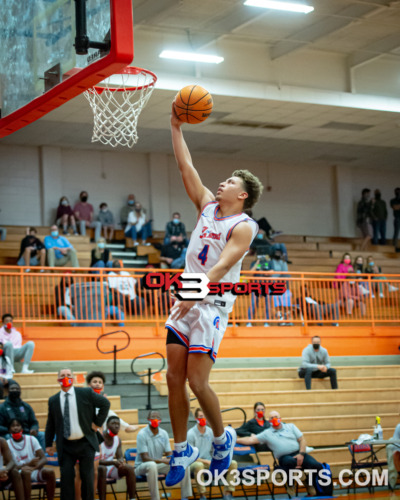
(203, 254)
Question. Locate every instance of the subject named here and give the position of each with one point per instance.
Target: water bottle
(378, 432)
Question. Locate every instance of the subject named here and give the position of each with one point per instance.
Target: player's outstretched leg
(178, 401)
(198, 372)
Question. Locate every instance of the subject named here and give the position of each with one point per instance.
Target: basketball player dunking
(218, 244)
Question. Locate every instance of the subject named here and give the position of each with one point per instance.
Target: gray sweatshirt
(312, 358)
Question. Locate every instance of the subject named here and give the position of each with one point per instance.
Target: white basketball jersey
(207, 242)
(25, 450)
(108, 453)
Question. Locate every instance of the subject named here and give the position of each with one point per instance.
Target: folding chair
(130, 456)
(243, 450)
(278, 468)
(370, 461)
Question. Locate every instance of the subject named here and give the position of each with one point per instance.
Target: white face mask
(64, 202)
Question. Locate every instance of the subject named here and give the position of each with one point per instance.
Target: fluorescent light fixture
(273, 4)
(190, 56)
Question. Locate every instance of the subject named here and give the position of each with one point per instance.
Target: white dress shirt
(76, 431)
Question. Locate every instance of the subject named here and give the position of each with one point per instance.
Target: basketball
(193, 104)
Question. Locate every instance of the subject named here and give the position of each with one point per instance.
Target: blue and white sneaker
(179, 463)
(223, 453)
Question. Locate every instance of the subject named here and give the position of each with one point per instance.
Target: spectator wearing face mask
(372, 268)
(127, 209)
(395, 204)
(15, 407)
(9, 475)
(32, 251)
(106, 219)
(175, 230)
(138, 225)
(73, 419)
(12, 342)
(65, 216)
(261, 245)
(84, 214)
(343, 269)
(259, 265)
(173, 255)
(201, 436)
(358, 267)
(6, 372)
(282, 303)
(316, 364)
(101, 256)
(255, 425)
(289, 447)
(379, 218)
(153, 450)
(364, 217)
(60, 252)
(317, 310)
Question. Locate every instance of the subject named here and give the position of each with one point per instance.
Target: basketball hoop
(117, 103)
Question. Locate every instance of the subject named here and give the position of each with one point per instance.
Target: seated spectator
(106, 219)
(96, 381)
(393, 458)
(6, 372)
(112, 462)
(259, 265)
(101, 256)
(60, 252)
(84, 214)
(265, 226)
(15, 407)
(376, 271)
(138, 225)
(32, 251)
(124, 289)
(344, 267)
(358, 267)
(316, 364)
(379, 217)
(282, 303)
(30, 460)
(364, 217)
(12, 342)
(127, 209)
(152, 450)
(62, 292)
(255, 425)
(65, 216)
(175, 230)
(317, 309)
(288, 445)
(3, 233)
(201, 436)
(351, 295)
(9, 475)
(173, 255)
(261, 245)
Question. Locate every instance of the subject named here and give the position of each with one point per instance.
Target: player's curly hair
(252, 185)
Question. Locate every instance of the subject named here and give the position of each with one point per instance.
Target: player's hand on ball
(175, 121)
(180, 309)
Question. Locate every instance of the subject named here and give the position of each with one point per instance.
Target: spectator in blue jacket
(60, 252)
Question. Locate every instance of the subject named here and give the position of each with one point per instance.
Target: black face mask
(316, 347)
(277, 257)
(377, 196)
(84, 199)
(14, 395)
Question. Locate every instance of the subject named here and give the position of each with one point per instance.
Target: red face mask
(111, 434)
(260, 414)
(97, 391)
(1, 352)
(154, 422)
(9, 326)
(17, 436)
(347, 261)
(202, 422)
(275, 422)
(66, 381)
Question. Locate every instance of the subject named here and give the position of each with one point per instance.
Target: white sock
(178, 447)
(220, 439)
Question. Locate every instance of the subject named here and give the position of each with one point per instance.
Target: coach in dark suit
(72, 418)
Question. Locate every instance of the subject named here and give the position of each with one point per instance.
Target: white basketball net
(116, 109)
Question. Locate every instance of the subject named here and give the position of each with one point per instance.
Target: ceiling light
(190, 56)
(273, 4)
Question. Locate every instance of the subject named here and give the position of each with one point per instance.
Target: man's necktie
(67, 419)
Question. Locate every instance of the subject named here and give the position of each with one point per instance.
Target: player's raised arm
(195, 189)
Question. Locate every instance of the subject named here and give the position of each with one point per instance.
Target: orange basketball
(193, 104)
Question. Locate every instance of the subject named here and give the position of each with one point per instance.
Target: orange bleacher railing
(82, 297)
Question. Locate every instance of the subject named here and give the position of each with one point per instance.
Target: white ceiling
(344, 48)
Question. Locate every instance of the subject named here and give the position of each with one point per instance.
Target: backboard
(39, 65)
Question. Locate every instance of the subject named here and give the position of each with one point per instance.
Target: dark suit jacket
(87, 401)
